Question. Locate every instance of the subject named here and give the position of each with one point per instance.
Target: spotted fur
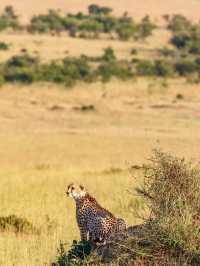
(93, 220)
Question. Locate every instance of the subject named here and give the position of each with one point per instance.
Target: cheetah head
(75, 192)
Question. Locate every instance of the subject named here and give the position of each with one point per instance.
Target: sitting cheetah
(94, 221)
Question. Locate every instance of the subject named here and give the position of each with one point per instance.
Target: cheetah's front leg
(83, 234)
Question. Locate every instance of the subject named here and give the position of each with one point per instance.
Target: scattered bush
(185, 67)
(145, 68)
(167, 52)
(25, 68)
(179, 23)
(8, 19)
(186, 36)
(109, 54)
(121, 70)
(179, 96)
(145, 28)
(4, 46)
(163, 69)
(134, 51)
(126, 29)
(97, 10)
(99, 20)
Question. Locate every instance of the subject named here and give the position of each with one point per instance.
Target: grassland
(45, 143)
(47, 139)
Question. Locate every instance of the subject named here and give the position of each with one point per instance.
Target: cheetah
(94, 222)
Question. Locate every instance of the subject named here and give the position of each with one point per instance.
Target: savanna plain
(90, 134)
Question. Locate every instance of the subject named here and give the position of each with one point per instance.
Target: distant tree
(109, 54)
(145, 28)
(125, 31)
(97, 10)
(93, 9)
(9, 19)
(179, 23)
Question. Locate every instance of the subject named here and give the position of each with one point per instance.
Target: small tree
(109, 54)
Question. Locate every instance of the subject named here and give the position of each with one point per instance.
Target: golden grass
(45, 142)
(57, 47)
(43, 148)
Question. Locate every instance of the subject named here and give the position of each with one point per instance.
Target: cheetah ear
(82, 187)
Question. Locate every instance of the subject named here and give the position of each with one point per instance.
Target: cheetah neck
(88, 200)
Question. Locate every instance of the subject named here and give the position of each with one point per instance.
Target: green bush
(45, 23)
(91, 26)
(145, 68)
(20, 74)
(167, 52)
(99, 20)
(24, 60)
(188, 39)
(145, 28)
(2, 80)
(8, 19)
(164, 68)
(121, 70)
(158, 68)
(109, 54)
(179, 23)
(78, 252)
(125, 29)
(186, 67)
(4, 46)
(97, 10)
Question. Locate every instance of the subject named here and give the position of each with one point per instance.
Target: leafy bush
(172, 187)
(8, 19)
(109, 54)
(121, 70)
(125, 28)
(167, 52)
(145, 28)
(22, 68)
(145, 68)
(91, 26)
(187, 39)
(4, 46)
(99, 20)
(2, 80)
(24, 60)
(164, 68)
(181, 40)
(45, 23)
(97, 10)
(185, 67)
(179, 23)
(158, 68)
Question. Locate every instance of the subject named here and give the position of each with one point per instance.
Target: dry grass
(53, 47)
(45, 142)
(43, 148)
